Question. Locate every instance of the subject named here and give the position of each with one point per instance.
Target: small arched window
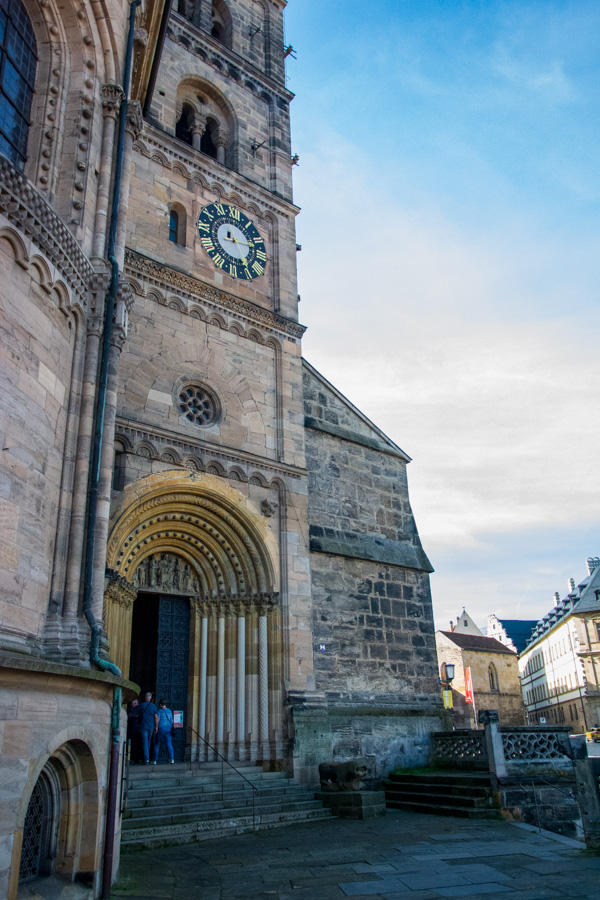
(493, 678)
(177, 224)
(18, 61)
(173, 225)
(207, 142)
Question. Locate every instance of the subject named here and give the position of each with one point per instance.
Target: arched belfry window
(173, 226)
(221, 23)
(18, 61)
(185, 124)
(207, 141)
(493, 678)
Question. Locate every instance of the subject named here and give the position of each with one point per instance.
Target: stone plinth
(354, 804)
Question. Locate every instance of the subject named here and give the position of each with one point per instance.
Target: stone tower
(210, 490)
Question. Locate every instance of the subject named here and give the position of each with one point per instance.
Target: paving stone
(476, 890)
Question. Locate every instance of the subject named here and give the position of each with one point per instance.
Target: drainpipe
(95, 626)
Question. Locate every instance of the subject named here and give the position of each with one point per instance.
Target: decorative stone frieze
(225, 61)
(137, 265)
(26, 208)
(197, 455)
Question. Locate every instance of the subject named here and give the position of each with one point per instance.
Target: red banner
(468, 685)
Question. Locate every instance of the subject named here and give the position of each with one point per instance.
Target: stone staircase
(173, 804)
(443, 793)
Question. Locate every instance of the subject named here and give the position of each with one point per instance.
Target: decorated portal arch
(192, 609)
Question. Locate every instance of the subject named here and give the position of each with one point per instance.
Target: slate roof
(519, 631)
(477, 642)
(581, 599)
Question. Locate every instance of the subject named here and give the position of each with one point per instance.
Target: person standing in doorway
(133, 732)
(165, 727)
(148, 716)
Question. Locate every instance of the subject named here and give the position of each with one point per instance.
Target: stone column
(252, 681)
(106, 469)
(197, 131)
(275, 681)
(211, 680)
(203, 671)
(118, 609)
(220, 140)
(220, 677)
(230, 680)
(263, 676)
(134, 128)
(241, 682)
(112, 95)
(82, 463)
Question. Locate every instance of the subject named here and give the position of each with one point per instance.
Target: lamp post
(446, 679)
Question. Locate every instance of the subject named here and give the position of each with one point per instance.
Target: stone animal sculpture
(343, 776)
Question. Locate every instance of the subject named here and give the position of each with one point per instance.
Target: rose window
(197, 405)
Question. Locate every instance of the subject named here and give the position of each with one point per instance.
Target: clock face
(232, 241)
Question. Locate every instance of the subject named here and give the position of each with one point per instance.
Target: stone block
(354, 804)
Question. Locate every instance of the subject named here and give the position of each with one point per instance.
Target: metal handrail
(237, 772)
(535, 800)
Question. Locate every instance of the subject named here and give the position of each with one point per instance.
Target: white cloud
(476, 353)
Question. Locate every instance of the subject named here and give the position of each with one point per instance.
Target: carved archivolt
(199, 532)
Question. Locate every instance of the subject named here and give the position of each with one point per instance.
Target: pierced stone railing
(462, 749)
(535, 745)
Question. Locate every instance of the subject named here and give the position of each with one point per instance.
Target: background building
(559, 666)
(180, 490)
(494, 674)
(514, 633)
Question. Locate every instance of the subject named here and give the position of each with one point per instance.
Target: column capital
(112, 96)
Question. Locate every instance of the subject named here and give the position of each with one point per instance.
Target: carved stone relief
(167, 573)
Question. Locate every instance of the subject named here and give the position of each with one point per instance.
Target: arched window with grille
(18, 61)
(493, 678)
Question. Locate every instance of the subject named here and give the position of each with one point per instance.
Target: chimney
(592, 563)
(571, 585)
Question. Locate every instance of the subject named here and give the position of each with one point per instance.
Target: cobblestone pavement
(404, 856)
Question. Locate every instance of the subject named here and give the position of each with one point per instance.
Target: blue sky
(450, 196)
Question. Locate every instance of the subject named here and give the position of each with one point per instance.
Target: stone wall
(37, 342)
(372, 618)
(50, 717)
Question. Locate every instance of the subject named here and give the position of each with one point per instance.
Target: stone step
(155, 775)
(174, 815)
(436, 809)
(140, 801)
(146, 838)
(446, 790)
(443, 777)
(458, 800)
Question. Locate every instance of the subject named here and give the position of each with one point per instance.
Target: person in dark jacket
(148, 716)
(134, 735)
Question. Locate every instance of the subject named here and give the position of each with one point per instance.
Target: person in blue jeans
(148, 719)
(165, 724)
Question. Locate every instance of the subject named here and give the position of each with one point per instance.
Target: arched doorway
(204, 629)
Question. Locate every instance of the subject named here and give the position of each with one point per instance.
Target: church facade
(188, 506)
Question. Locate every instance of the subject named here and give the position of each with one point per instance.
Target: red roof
(477, 642)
